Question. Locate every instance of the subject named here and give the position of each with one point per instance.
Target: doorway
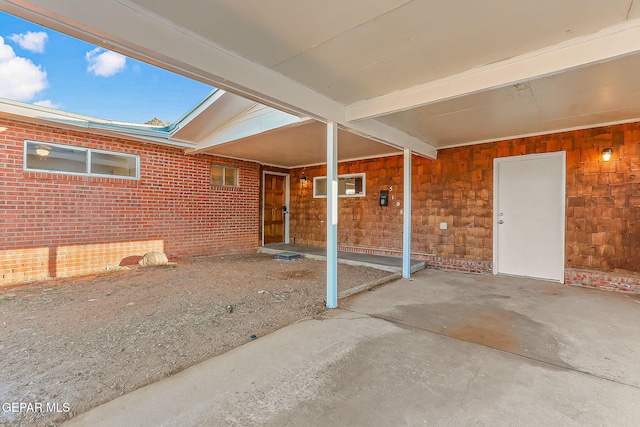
(275, 210)
(529, 216)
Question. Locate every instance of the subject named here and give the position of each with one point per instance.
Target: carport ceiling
(415, 73)
(300, 145)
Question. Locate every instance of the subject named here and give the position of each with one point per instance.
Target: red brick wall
(172, 202)
(603, 200)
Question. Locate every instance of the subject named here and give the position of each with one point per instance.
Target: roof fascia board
(195, 111)
(8, 106)
(157, 141)
(378, 156)
(612, 42)
(21, 109)
(354, 159)
(124, 27)
(130, 130)
(51, 117)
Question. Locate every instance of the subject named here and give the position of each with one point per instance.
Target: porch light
(606, 154)
(303, 178)
(42, 151)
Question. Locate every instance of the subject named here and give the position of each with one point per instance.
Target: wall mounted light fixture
(42, 151)
(303, 178)
(606, 154)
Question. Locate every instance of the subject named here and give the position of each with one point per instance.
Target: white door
(529, 217)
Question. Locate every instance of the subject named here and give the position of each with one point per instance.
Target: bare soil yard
(73, 344)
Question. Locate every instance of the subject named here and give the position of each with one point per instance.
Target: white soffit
(300, 144)
(218, 109)
(359, 49)
(270, 32)
(253, 122)
(423, 41)
(124, 26)
(414, 73)
(602, 93)
(610, 43)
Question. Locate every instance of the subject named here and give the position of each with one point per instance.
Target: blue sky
(44, 67)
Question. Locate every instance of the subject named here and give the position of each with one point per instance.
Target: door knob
(500, 222)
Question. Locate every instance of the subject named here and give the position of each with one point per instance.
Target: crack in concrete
(347, 318)
(485, 358)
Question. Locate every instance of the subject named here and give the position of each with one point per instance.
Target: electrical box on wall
(384, 198)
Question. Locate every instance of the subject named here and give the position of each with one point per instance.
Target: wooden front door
(275, 208)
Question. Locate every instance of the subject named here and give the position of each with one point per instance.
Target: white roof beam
(124, 27)
(609, 43)
(382, 133)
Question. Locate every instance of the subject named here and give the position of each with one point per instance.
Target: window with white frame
(48, 157)
(224, 176)
(353, 185)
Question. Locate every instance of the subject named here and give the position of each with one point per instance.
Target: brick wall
(55, 224)
(603, 201)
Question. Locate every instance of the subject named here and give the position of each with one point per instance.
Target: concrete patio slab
(437, 349)
(387, 263)
(588, 330)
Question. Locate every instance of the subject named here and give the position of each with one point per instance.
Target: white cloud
(20, 79)
(30, 40)
(47, 103)
(104, 63)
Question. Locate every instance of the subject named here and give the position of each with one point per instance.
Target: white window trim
(350, 175)
(224, 178)
(87, 163)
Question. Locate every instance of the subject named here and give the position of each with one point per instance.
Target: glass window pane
(113, 164)
(217, 175)
(352, 186)
(321, 187)
(55, 158)
(348, 186)
(342, 188)
(359, 187)
(230, 176)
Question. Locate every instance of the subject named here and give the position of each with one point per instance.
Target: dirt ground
(72, 344)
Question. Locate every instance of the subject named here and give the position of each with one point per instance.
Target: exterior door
(275, 208)
(529, 216)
